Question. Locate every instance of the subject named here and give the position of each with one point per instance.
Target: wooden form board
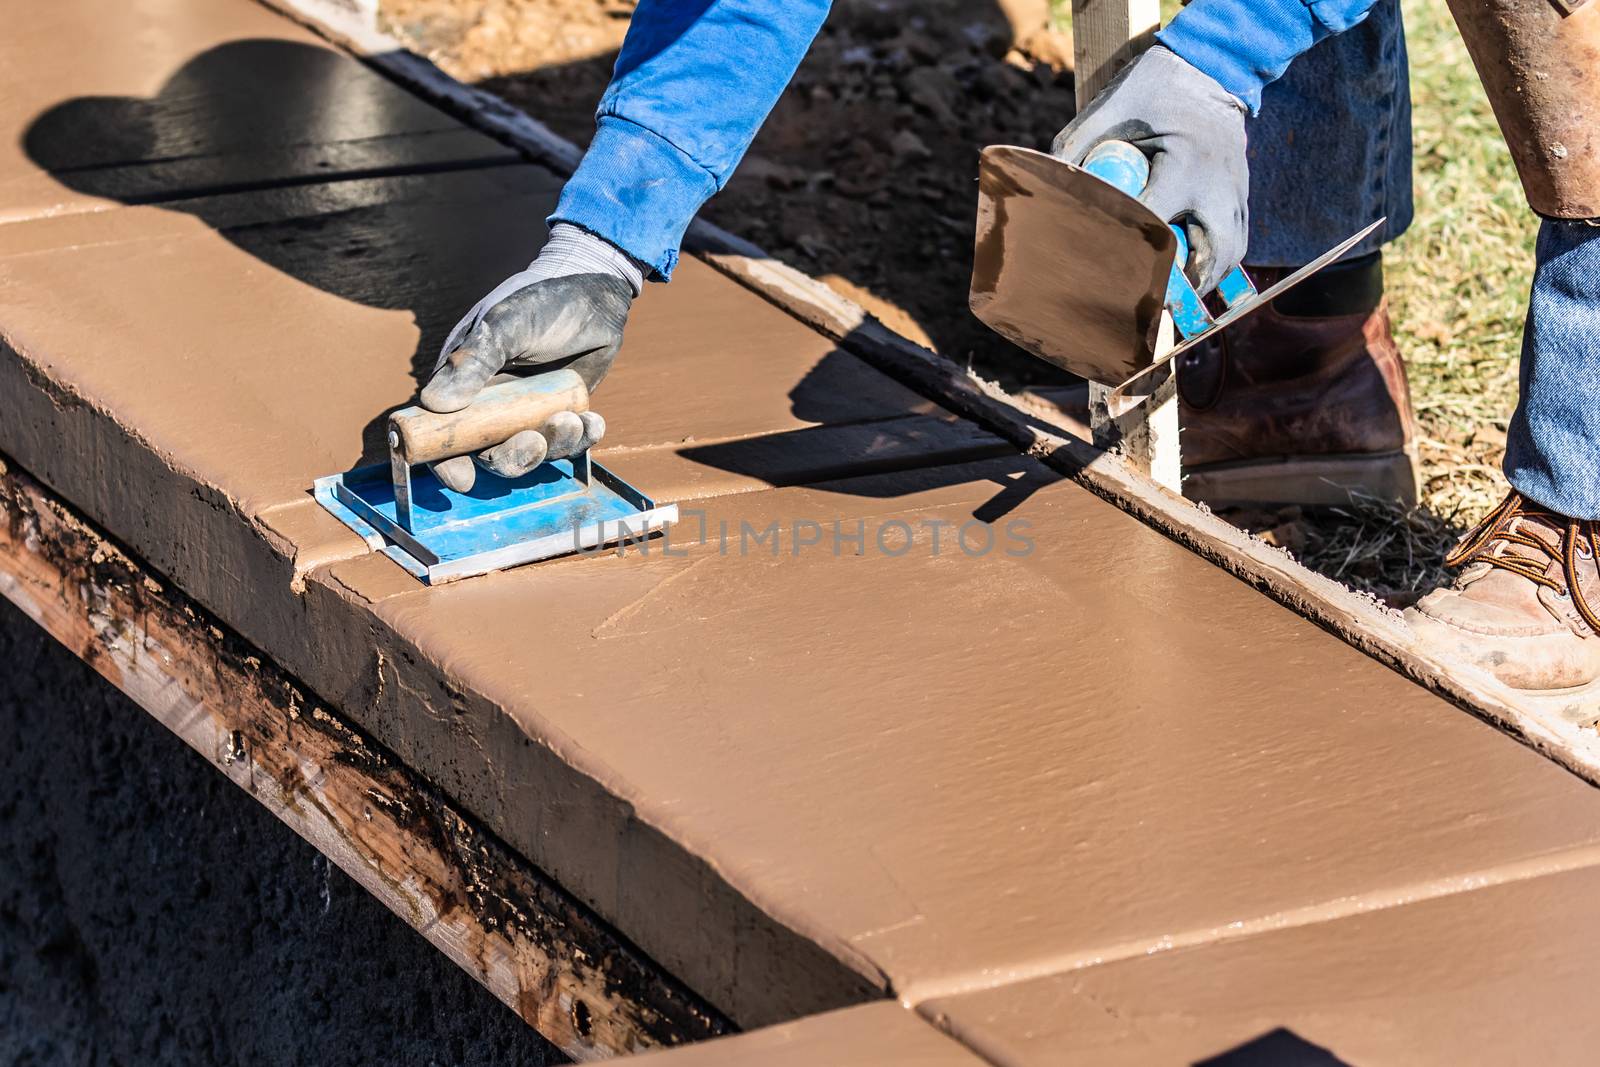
(565, 972)
(523, 706)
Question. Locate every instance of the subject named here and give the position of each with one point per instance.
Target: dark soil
(865, 175)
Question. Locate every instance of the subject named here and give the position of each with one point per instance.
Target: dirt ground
(864, 177)
(865, 173)
(153, 914)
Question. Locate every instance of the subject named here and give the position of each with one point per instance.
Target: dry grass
(1458, 281)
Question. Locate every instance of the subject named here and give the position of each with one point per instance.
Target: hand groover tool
(1069, 265)
(439, 535)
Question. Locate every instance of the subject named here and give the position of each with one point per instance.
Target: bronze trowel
(1069, 265)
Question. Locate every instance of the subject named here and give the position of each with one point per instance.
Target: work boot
(1527, 607)
(1302, 401)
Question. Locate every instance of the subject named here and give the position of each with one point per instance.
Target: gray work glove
(567, 309)
(1192, 129)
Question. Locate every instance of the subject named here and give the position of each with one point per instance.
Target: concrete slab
(796, 779)
(947, 770)
(1497, 975)
(253, 342)
(872, 1035)
(150, 99)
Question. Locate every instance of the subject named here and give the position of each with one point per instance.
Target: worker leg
(1553, 443)
(1306, 400)
(1526, 603)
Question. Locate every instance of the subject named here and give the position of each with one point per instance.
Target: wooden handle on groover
(501, 410)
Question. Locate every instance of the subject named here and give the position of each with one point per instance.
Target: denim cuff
(637, 190)
(1245, 44)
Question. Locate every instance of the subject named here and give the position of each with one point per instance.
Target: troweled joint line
(1498, 974)
(1333, 910)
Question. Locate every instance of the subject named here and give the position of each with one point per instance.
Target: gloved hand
(1192, 129)
(567, 309)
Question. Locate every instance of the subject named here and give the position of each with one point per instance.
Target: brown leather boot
(1302, 401)
(1527, 607)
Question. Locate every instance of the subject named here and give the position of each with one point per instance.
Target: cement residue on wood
(562, 970)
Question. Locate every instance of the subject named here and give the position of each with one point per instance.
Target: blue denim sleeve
(1245, 44)
(693, 83)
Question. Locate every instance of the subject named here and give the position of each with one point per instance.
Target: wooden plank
(502, 920)
(1106, 34)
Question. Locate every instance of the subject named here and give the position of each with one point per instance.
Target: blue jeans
(1331, 152)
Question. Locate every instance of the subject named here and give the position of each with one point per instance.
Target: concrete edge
(561, 968)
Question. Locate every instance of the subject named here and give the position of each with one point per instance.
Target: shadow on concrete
(1275, 1048)
(194, 141)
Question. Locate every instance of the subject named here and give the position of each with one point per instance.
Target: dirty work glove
(567, 309)
(1192, 129)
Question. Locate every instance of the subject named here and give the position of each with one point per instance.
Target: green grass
(1459, 277)
(1458, 283)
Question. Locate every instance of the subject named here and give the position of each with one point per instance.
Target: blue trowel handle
(1123, 166)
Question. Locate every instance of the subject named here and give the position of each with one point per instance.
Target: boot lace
(1504, 539)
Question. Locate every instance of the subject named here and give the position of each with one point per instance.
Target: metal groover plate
(551, 511)
(1139, 386)
(1066, 266)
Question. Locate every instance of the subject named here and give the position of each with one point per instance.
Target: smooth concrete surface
(872, 1035)
(241, 346)
(141, 99)
(953, 770)
(153, 914)
(1498, 975)
(798, 775)
(265, 334)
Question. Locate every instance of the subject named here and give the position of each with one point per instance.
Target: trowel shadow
(898, 452)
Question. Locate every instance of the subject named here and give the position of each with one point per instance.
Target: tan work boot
(1527, 606)
(1301, 401)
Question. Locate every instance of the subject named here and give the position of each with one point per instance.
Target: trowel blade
(1142, 383)
(1066, 266)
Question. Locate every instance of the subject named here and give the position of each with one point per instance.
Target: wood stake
(1106, 34)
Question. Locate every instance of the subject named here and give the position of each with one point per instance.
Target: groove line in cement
(1328, 911)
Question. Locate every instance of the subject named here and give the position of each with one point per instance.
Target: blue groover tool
(403, 510)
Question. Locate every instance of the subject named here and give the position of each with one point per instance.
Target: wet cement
(797, 779)
(1503, 974)
(153, 913)
(872, 1035)
(143, 100)
(954, 767)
